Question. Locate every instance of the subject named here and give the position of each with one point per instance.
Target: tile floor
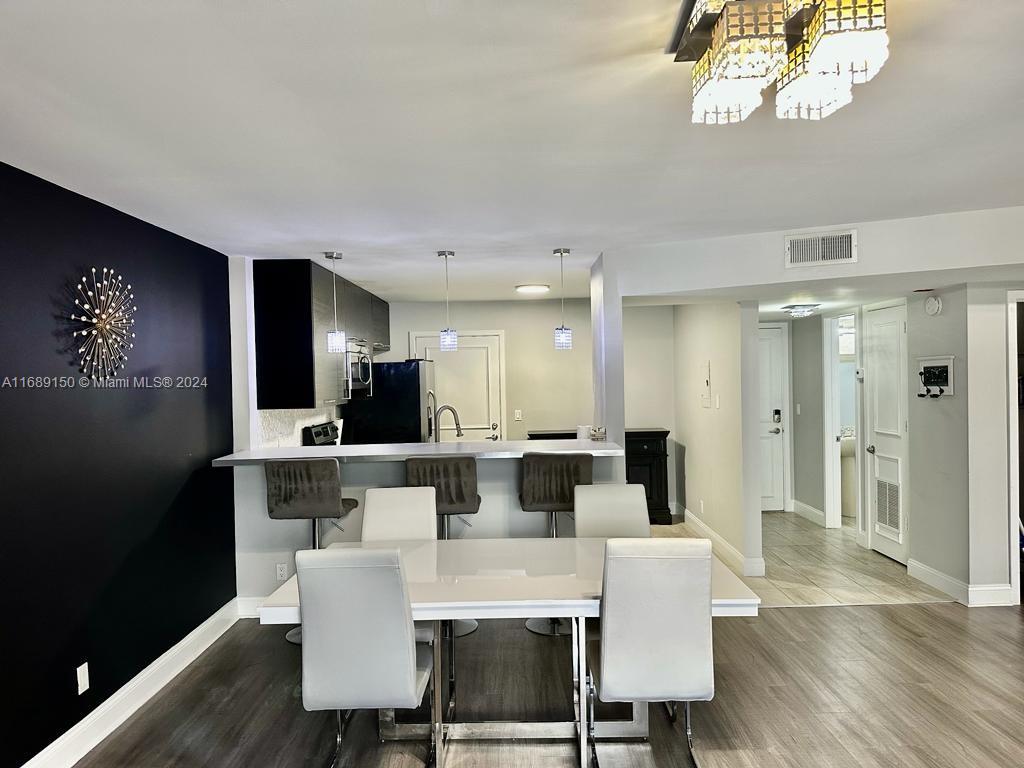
(806, 564)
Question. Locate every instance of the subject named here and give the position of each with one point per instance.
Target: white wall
(711, 436)
(937, 501)
(648, 348)
(553, 388)
(806, 359)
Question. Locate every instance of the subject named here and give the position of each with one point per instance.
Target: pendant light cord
(447, 306)
(561, 269)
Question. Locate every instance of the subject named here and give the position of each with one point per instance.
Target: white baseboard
(939, 580)
(991, 594)
(76, 742)
(725, 551)
(249, 607)
(807, 511)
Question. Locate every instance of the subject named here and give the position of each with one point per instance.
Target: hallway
(806, 564)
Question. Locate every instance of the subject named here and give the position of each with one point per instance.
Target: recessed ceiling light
(800, 310)
(533, 288)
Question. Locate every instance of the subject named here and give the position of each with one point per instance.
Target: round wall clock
(105, 310)
(933, 305)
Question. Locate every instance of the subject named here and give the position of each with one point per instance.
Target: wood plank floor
(806, 564)
(930, 685)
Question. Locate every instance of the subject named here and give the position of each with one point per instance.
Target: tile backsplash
(283, 428)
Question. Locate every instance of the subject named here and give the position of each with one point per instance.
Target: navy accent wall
(116, 536)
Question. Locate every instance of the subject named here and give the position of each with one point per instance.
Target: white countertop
(508, 578)
(481, 449)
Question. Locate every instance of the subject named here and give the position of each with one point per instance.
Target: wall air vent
(820, 248)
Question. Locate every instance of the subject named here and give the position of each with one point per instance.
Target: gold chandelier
(814, 50)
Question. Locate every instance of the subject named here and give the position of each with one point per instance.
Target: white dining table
(512, 579)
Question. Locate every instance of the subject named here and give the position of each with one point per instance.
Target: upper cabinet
(294, 309)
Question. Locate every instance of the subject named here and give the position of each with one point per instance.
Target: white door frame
(501, 366)
(866, 536)
(830, 418)
(1013, 413)
(787, 399)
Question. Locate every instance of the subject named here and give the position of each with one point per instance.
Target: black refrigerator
(401, 409)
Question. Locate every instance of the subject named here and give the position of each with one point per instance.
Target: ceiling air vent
(820, 248)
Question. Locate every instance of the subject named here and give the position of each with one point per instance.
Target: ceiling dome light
(533, 288)
(800, 310)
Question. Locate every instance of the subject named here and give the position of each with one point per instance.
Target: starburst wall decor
(107, 307)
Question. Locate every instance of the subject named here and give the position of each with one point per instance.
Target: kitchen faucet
(437, 422)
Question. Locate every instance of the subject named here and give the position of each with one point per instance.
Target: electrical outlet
(718, 402)
(702, 507)
(282, 571)
(798, 409)
(517, 415)
(83, 678)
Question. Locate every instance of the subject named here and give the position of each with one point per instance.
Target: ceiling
(389, 129)
(834, 295)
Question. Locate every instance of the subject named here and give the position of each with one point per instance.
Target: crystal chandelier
(337, 344)
(814, 50)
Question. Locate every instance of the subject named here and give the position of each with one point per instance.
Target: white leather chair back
(611, 511)
(358, 650)
(656, 621)
(396, 514)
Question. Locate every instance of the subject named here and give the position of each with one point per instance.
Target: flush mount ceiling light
(533, 288)
(336, 341)
(800, 310)
(449, 336)
(563, 335)
(815, 50)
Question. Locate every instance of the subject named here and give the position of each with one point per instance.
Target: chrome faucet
(437, 422)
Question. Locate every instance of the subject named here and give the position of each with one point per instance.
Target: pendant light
(336, 341)
(563, 335)
(449, 336)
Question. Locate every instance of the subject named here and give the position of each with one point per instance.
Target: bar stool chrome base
(294, 635)
(465, 627)
(549, 627)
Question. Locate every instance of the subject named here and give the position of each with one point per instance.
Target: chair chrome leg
(689, 734)
(591, 705)
(336, 757)
(432, 749)
(670, 707)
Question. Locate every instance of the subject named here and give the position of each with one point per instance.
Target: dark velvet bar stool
(549, 485)
(306, 489)
(454, 479)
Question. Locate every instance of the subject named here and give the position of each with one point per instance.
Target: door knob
(493, 437)
(775, 431)
(494, 425)
(870, 449)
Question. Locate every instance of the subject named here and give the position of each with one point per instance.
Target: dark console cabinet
(647, 465)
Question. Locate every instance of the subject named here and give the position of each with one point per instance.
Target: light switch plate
(83, 678)
(517, 415)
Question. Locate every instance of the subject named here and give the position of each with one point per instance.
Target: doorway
(471, 379)
(841, 398)
(773, 417)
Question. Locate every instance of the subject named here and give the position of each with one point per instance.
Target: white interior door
(885, 381)
(772, 371)
(469, 379)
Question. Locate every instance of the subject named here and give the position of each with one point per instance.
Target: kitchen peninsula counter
(393, 452)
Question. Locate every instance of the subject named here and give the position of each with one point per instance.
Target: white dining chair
(655, 639)
(402, 514)
(610, 510)
(345, 670)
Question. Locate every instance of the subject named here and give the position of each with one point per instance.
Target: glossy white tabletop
(480, 449)
(508, 578)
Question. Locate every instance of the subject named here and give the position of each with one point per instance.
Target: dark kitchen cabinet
(647, 465)
(293, 302)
